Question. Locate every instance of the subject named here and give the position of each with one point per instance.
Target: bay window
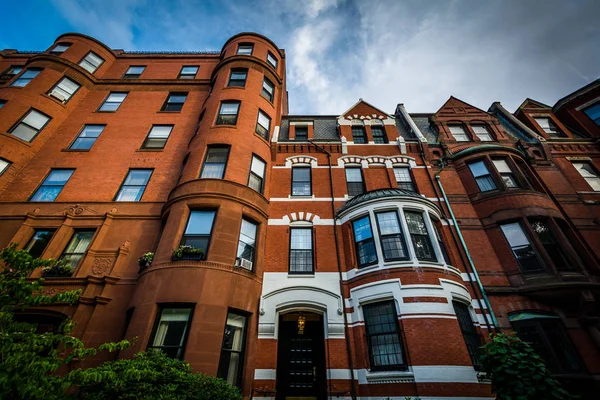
(215, 162)
(363, 242)
(505, 172)
(171, 330)
(232, 349)
(419, 236)
(391, 238)
(482, 176)
(256, 179)
(198, 230)
(522, 248)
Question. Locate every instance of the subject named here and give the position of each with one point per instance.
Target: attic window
(301, 132)
(482, 133)
(459, 133)
(550, 127)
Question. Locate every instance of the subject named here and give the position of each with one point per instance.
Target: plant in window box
(187, 252)
(145, 260)
(61, 268)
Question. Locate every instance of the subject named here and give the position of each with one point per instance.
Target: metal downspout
(339, 265)
(464, 245)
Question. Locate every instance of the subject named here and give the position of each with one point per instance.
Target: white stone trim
(300, 160)
(302, 123)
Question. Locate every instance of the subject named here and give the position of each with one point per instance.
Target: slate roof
(404, 130)
(374, 195)
(325, 127)
(426, 128)
(513, 131)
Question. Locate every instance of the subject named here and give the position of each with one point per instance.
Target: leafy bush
(518, 372)
(186, 249)
(151, 375)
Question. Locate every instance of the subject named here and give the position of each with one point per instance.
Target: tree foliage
(518, 372)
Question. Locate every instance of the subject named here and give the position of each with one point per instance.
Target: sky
(415, 52)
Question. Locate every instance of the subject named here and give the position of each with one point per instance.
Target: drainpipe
(464, 246)
(339, 266)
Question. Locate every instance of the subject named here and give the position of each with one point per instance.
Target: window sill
(300, 197)
(106, 112)
(19, 140)
(307, 275)
(168, 112)
(262, 138)
(151, 150)
(267, 99)
(76, 150)
(234, 87)
(220, 126)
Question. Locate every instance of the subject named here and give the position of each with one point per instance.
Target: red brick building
(360, 255)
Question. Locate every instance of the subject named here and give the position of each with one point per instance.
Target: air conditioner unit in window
(58, 96)
(243, 263)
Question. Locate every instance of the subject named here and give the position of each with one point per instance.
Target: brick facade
(373, 213)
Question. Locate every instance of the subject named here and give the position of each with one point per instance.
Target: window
(505, 173)
(521, 247)
(157, 137)
(589, 173)
(134, 72)
(31, 124)
(358, 135)
(60, 48)
(550, 127)
(383, 336)
(364, 243)
(87, 137)
(134, 185)
(271, 59)
(301, 182)
(247, 243)
(64, 89)
(171, 330)
(245, 49)
(232, 350)
(458, 131)
(482, 176)
(378, 134)
(2, 103)
(419, 236)
(77, 247)
(237, 77)
(593, 112)
(547, 337)
(113, 101)
(257, 174)
(404, 179)
(438, 236)
(3, 165)
(174, 102)
(390, 235)
(301, 251)
(482, 133)
(38, 242)
(198, 230)
(553, 249)
(215, 162)
(263, 125)
(228, 113)
(52, 185)
(26, 77)
(268, 90)
(12, 71)
(91, 62)
(188, 72)
(354, 181)
(301, 132)
(469, 332)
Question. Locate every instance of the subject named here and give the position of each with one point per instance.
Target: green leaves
(518, 372)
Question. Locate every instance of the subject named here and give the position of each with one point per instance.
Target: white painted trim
(302, 123)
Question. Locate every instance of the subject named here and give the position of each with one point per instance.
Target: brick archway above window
(291, 161)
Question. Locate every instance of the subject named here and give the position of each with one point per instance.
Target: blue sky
(387, 52)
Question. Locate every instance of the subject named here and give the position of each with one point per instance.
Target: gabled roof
(325, 127)
(590, 86)
(530, 103)
(362, 107)
(453, 103)
(513, 126)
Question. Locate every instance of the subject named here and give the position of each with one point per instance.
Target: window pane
(353, 175)
(138, 177)
(38, 242)
(514, 234)
(245, 49)
(362, 229)
(258, 167)
(469, 332)
(160, 131)
(229, 108)
(478, 169)
(358, 135)
(116, 97)
(217, 154)
(255, 183)
(594, 113)
(60, 48)
(264, 120)
(388, 223)
(213, 171)
(68, 85)
(35, 119)
(24, 132)
(230, 364)
(200, 223)
(3, 165)
(415, 223)
(271, 59)
(87, 137)
(189, 70)
(501, 166)
(135, 70)
(248, 232)
(301, 238)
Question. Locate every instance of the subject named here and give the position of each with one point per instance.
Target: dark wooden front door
(301, 358)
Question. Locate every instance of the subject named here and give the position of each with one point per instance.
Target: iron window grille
(404, 179)
(390, 236)
(26, 77)
(87, 137)
(363, 242)
(215, 162)
(188, 72)
(157, 137)
(301, 251)
(52, 185)
(91, 62)
(134, 72)
(174, 102)
(386, 351)
(419, 236)
(526, 255)
(482, 176)
(237, 77)
(301, 181)
(354, 181)
(171, 330)
(469, 332)
(113, 101)
(228, 113)
(134, 185)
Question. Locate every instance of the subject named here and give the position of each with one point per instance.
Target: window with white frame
(113, 101)
(64, 89)
(391, 238)
(354, 181)
(91, 62)
(550, 127)
(505, 172)
(301, 250)
(458, 131)
(481, 131)
(263, 125)
(257, 174)
(247, 242)
(363, 242)
(419, 236)
(404, 178)
(589, 173)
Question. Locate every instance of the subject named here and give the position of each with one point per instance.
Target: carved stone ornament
(101, 265)
(125, 245)
(36, 211)
(74, 210)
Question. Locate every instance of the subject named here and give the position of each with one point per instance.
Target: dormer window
(358, 132)
(593, 112)
(482, 133)
(550, 127)
(458, 131)
(301, 132)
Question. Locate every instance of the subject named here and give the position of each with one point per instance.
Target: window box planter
(61, 269)
(184, 252)
(145, 261)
